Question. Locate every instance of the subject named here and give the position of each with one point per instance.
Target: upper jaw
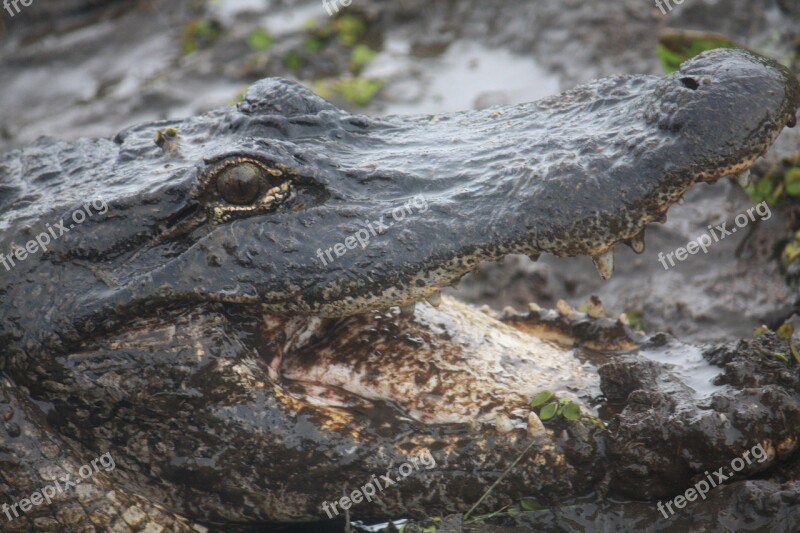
(570, 175)
(574, 174)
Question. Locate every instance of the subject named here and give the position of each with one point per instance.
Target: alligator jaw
(655, 139)
(573, 174)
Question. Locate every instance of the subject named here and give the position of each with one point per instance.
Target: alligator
(235, 319)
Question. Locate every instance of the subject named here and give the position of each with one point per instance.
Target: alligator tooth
(604, 264)
(509, 311)
(408, 309)
(435, 299)
(535, 426)
(623, 319)
(485, 309)
(503, 423)
(680, 200)
(594, 307)
(743, 179)
(637, 242)
(534, 308)
(563, 308)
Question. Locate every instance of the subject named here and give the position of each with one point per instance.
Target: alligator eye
(240, 184)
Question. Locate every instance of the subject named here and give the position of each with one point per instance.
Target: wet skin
(200, 331)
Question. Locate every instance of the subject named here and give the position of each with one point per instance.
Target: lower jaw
(453, 364)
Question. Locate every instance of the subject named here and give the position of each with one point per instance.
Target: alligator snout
(267, 199)
(573, 174)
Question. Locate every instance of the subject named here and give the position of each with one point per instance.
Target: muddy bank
(678, 462)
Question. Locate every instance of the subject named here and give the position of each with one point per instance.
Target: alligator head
(216, 320)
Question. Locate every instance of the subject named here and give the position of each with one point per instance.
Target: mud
(690, 441)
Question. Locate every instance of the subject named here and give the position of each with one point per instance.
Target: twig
(499, 479)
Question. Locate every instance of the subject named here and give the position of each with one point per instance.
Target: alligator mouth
(551, 184)
(333, 362)
(429, 368)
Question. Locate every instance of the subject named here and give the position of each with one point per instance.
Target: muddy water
(484, 77)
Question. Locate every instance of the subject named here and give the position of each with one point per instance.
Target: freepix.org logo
(375, 228)
(45, 494)
(43, 240)
(12, 6)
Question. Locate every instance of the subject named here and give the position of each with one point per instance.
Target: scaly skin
(237, 379)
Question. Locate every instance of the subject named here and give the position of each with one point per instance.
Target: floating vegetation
(676, 46)
(360, 57)
(358, 91)
(200, 33)
(553, 408)
(634, 318)
(260, 40)
(784, 332)
(293, 60)
(780, 184)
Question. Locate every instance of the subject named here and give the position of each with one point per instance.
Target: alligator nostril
(792, 122)
(690, 83)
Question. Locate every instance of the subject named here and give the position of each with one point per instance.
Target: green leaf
(760, 330)
(199, 33)
(260, 40)
(795, 352)
(785, 331)
(676, 46)
(782, 356)
(572, 411)
(292, 60)
(541, 398)
(634, 318)
(764, 188)
(350, 29)
(359, 57)
(793, 189)
(314, 44)
(596, 421)
(670, 61)
(356, 90)
(548, 411)
(792, 181)
(790, 253)
(529, 504)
